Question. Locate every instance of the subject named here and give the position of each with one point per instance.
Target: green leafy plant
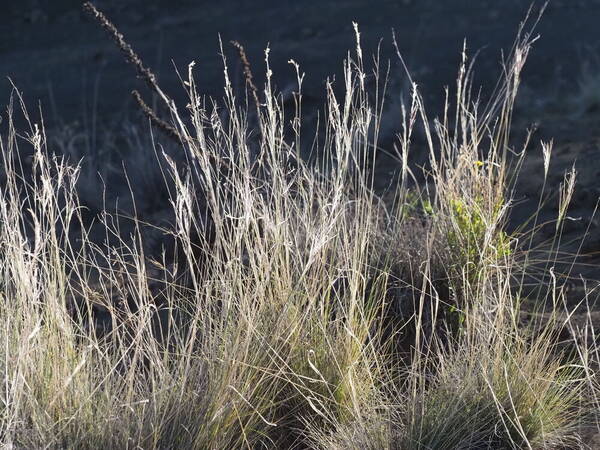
(415, 205)
(472, 239)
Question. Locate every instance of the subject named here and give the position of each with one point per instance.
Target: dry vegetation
(296, 309)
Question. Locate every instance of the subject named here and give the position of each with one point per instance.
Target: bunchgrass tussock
(295, 308)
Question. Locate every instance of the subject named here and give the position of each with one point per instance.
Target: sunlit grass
(301, 310)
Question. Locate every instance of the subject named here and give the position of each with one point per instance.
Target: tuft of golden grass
(301, 310)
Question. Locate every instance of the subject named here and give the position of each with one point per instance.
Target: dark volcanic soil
(50, 46)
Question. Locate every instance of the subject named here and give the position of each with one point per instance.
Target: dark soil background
(65, 64)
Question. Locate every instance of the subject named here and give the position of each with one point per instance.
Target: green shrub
(468, 236)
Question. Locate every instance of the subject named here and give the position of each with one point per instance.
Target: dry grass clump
(298, 310)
